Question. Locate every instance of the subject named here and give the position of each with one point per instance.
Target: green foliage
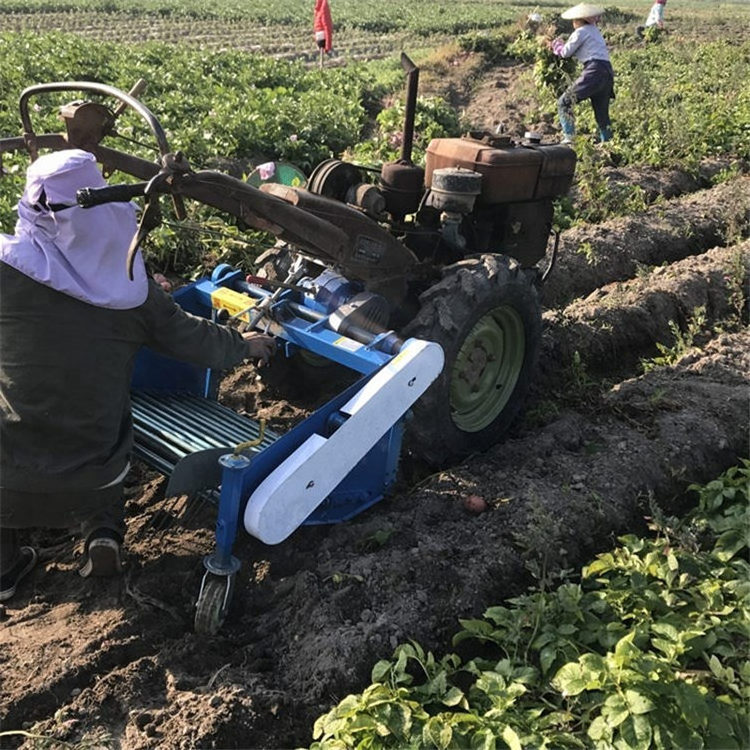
(494, 45)
(647, 650)
(222, 109)
(615, 14)
(683, 341)
(597, 196)
(735, 279)
(552, 72)
(434, 118)
(678, 103)
(652, 33)
(578, 377)
(423, 17)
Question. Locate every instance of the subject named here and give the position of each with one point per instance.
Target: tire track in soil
(298, 641)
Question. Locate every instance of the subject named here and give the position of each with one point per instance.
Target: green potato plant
(646, 650)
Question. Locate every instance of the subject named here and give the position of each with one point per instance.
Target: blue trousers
(595, 83)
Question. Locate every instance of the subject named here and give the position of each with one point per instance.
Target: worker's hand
(162, 281)
(260, 346)
(556, 45)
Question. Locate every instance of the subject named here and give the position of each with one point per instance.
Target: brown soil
(594, 255)
(622, 322)
(117, 664)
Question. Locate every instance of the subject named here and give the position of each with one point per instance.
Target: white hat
(582, 10)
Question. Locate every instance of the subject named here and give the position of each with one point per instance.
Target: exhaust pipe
(412, 85)
(401, 181)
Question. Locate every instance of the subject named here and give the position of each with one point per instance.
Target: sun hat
(582, 10)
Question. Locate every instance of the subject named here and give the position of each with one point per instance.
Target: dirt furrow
(555, 496)
(41, 681)
(660, 184)
(594, 255)
(622, 322)
(315, 612)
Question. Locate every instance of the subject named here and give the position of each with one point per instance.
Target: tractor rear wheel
(486, 314)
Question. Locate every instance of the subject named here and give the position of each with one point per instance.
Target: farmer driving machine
(424, 281)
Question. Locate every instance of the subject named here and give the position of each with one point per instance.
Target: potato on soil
(475, 504)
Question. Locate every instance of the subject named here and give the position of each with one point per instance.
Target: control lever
(174, 166)
(90, 197)
(259, 310)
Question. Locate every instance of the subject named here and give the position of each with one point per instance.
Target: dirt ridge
(624, 321)
(594, 255)
(118, 661)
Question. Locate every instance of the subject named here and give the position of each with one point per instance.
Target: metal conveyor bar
(170, 426)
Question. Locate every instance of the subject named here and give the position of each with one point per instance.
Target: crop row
(283, 41)
(211, 104)
(420, 16)
(241, 108)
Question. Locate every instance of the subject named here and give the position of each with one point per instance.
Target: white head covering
(78, 251)
(582, 10)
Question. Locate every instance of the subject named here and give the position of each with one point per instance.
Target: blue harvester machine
(342, 458)
(334, 464)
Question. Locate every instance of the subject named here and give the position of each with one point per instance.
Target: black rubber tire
(472, 292)
(210, 612)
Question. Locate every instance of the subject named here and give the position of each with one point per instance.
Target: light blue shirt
(586, 43)
(656, 15)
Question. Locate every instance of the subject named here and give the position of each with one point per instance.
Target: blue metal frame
(317, 337)
(365, 485)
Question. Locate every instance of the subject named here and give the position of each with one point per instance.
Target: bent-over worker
(71, 323)
(596, 82)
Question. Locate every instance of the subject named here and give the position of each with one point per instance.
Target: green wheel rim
(486, 369)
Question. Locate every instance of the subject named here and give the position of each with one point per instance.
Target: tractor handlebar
(90, 197)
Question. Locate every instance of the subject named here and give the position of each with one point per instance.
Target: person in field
(655, 17)
(596, 82)
(323, 26)
(71, 322)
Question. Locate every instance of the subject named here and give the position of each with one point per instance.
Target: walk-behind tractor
(424, 281)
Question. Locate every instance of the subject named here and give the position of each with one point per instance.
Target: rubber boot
(605, 134)
(567, 125)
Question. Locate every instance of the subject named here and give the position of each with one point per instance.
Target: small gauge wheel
(213, 603)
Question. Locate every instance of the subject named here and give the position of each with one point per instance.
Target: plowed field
(602, 439)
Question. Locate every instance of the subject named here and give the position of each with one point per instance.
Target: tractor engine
(490, 195)
(480, 193)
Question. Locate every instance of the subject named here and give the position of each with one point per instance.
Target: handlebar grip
(90, 197)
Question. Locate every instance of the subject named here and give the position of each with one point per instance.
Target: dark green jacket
(65, 371)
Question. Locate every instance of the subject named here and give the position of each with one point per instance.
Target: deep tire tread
(449, 309)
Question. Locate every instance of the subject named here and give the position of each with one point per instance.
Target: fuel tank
(510, 172)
